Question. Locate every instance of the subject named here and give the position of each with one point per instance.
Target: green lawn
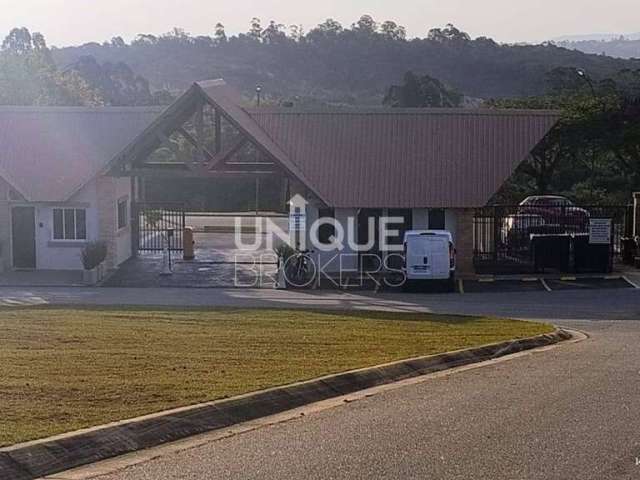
(64, 369)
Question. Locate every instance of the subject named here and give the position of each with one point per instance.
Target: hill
(334, 64)
(620, 47)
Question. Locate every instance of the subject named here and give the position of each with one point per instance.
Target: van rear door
(428, 256)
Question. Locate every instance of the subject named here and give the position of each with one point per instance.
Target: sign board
(600, 231)
(297, 222)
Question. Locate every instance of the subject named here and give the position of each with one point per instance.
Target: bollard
(189, 244)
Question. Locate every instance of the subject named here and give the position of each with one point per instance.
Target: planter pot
(90, 277)
(281, 281)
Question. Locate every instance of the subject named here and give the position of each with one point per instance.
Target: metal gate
(503, 235)
(153, 223)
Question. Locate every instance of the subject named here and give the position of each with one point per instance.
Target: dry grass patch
(64, 369)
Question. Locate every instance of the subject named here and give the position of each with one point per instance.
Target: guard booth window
(436, 219)
(326, 230)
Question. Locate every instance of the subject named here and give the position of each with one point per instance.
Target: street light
(258, 92)
(582, 74)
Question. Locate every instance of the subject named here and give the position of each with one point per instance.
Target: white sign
(600, 231)
(297, 222)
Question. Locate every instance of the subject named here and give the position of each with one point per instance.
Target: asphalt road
(566, 413)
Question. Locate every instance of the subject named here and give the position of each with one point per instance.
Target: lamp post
(258, 93)
(582, 74)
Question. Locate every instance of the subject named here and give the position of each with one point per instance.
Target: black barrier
(590, 258)
(551, 252)
(629, 250)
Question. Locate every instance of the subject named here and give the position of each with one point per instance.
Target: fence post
(135, 229)
(636, 214)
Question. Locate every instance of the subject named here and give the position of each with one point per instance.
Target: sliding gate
(154, 222)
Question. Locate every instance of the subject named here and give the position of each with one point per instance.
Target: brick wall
(5, 227)
(107, 217)
(464, 241)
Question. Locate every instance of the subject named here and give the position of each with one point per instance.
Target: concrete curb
(48, 456)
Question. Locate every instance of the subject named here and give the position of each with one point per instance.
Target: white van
(429, 255)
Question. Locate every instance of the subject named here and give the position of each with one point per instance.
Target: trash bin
(590, 258)
(629, 250)
(551, 251)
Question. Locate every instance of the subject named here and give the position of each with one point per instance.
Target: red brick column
(106, 193)
(5, 227)
(464, 241)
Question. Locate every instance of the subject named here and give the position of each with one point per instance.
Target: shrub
(153, 217)
(93, 254)
(284, 252)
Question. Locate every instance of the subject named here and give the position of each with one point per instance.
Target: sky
(71, 22)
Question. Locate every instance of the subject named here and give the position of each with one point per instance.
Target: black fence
(154, 221)
(519, 239)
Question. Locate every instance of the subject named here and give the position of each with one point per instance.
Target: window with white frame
(122, 213)
(69, 224)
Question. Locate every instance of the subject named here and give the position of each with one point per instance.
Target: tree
(448, 34)
(296, 33)
(28, 75)
(593, 153)
(366, 25)
(393, 31)
(273, 34)
(219, 36)
(422, 91)
(18, 42)
(118, 42)
(255, 30)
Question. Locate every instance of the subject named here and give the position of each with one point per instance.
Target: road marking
(545, 285)
(530, 279)
(486, 280)
(568, 279)
(633, 284)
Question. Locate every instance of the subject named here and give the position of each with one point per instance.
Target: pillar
(464, 242)
(107, 217)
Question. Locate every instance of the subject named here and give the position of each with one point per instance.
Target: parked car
(556, 210)
(516, 229)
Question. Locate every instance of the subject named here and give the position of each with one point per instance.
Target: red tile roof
(406, 158)
(48, 153)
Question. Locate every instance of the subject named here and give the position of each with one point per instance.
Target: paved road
(570, 412)
(616, 304)
(567, 413)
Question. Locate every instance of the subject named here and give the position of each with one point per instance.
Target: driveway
(218, 262)
(568, 412)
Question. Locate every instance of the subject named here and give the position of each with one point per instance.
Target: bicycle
(300, 268)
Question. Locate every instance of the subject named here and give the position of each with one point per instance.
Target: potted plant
(93, 254)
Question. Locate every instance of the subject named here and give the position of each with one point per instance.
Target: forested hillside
(342, 65)
(619, 47)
